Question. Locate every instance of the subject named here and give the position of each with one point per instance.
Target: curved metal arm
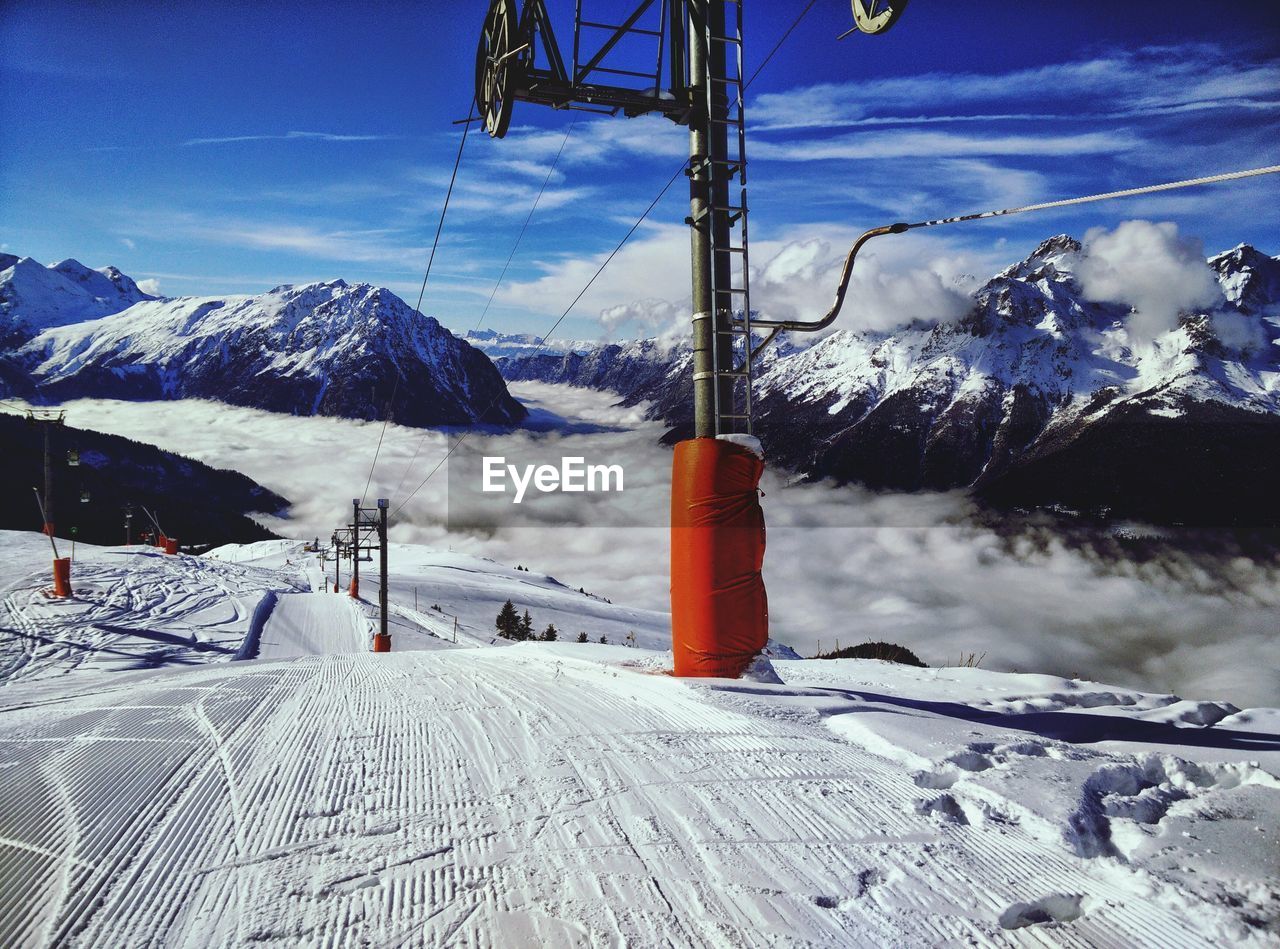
(800, 326)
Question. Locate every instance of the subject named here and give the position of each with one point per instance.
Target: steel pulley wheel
(876, 16)
(496, 66)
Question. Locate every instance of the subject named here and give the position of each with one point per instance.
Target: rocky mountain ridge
(328, 348)
(1037, 396)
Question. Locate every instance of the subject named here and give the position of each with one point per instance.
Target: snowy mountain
(1036, 396)
(323, 348)
(495, 344)
(34, 297)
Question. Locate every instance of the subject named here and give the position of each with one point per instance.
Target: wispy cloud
(387, 247)
(290, 136)
(1120, 84)
(911, 144)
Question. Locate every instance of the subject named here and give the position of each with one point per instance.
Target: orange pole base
(719, 611)
(381, 643)
(355, 590)
(62, 576)
(171, 545)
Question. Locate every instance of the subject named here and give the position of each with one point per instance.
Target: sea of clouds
(917, 569)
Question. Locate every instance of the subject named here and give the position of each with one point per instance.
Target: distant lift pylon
(719, 609)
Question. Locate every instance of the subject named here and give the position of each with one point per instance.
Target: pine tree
(526, 627)
(550, 634)
(605, 640)
(508, 622)
(582, 637)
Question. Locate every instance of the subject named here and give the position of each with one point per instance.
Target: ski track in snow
(460, 797)
(565, 794)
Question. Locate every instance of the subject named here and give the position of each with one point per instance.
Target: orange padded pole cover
(62, 576)
(719, 611)
(354, 589)
(171, 545)
(381, 643)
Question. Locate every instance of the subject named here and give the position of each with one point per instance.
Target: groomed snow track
(505, 797)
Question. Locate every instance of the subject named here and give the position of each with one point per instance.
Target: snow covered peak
(1249, 278)
(34, 297)
(107, 283)
(327, 348)
(496, 344)
(1057, 246)
(1055, 257)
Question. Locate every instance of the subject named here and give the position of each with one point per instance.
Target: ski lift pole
(44, 520)
(47, 419)
(154, 522)
(48, 483)
(382, 641)
(355, 549)
(61, 565)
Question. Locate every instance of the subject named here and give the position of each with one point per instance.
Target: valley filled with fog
(843, 564)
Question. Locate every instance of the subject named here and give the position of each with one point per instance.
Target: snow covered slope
(34, 297)
(1022, 399)
(428, 589)
(563, 793)
(323, 348)
(133, 608)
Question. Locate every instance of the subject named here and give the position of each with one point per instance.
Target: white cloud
(593, 141)
(841, 562)
(1236, 331)
(650, 315)
(151, 286)
(896, 279)
(371, 245)
(654, 265)
(1120, 84)
(290, 136)
(1150, 267)
(646, 289)
(908, 144)
(128, 243)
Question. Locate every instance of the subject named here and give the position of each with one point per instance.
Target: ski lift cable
(395, 387)
(778, 45)
(777, 326)
(1126, 193)
(501, 276)
(554, 327)
(634, 227)
(519, 237)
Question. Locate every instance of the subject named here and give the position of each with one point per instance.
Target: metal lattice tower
(725, 218)
(719, 208)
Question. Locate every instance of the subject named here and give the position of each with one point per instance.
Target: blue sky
(233, 147)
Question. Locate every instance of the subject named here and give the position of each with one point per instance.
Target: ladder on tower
(730, 260)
